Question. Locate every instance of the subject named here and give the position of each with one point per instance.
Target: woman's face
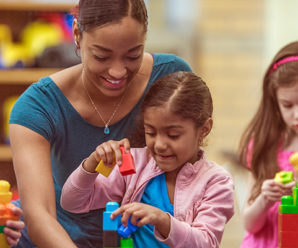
(112, 55)
(288, 105)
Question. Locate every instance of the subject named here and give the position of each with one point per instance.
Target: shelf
(5, 153)
(35, 5)
(25, 76)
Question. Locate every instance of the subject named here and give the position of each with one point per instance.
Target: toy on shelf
(284, 177)
(126, 168)
(6, 212)
(287, 221)
(111, 229)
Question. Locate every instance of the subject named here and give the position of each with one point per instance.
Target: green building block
(289, 204)
(1, 229)
(126, 243)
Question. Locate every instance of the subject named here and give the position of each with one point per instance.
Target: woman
(62, 118)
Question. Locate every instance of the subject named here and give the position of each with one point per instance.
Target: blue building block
(108, 223)
(125, 231)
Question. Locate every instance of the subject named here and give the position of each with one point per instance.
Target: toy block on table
(127, 167)
(6, 212)
(284, 177)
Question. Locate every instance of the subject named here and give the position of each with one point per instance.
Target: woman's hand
(13, 228)
(272, 191)
(108, 152)
(143, 214)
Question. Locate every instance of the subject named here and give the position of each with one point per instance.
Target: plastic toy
(294, 161)
(126, 231)
(111, 229)
(7, 107)
(284, 177)
(287, 221)
(126, 168)
(5, 210)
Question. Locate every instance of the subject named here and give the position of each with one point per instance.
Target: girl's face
(173, 141)
(112, 55)
(287, 98)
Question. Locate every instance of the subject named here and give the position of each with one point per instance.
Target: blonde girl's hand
(272, 191)
(107, 152)
(143, 214)
(13, 228)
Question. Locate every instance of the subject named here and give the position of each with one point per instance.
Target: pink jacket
(203, 202)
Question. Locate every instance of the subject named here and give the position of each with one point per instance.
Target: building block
(126, 231)
(111, 236)
(127, 167)
(288, 222)
(110, 227)
(6, 212)
(284, 177)
(108, 223)
(294, 161)
(126, 243)
(289, 204)
(110, 239)
(287, 240)
(104, 169)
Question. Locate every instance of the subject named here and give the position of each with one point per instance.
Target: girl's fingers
(16, 225)
(12, 242)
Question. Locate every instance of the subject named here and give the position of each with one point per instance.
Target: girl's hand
(107, 152)
(143, 214)
(272, 191)
(13, 228)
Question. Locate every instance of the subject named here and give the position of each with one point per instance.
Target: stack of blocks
(288, 221)
(113, 231)
(6, 212)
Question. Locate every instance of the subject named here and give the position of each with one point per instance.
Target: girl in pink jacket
(177, 197)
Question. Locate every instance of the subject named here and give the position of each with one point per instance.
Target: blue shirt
(44, 109)
(155, 194)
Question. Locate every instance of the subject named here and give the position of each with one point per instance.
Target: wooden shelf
(22, 5)
(5, 153)
(25, 76)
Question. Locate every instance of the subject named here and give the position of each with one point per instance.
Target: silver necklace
(106, 129)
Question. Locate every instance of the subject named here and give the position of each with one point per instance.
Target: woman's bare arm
(32, 165)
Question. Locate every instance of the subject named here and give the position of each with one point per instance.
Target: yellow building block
(5, 194)
(294, 160)
(104, 169)
(3, 241)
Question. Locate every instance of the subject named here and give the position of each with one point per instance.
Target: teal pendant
(106, 130)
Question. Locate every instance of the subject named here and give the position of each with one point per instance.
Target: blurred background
(228, 43)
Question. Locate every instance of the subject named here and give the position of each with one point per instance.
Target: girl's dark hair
(187, 96)
(267, 131)
(95, 13)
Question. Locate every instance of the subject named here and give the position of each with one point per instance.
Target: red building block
(287, 240)
(288, 222)
(127, 167)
